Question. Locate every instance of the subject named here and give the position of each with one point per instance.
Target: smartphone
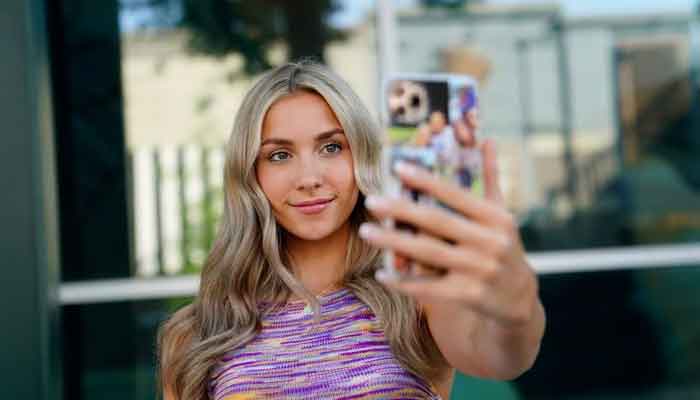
(431, 121)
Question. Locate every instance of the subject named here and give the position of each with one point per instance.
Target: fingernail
(368, 230)
(374, 202)
(405, 168)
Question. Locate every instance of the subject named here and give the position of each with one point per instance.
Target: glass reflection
(595, 116)
(597, 121)
(109, 349)
(186, 66)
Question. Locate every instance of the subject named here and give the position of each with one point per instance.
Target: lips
(313, 202)
(314, 206)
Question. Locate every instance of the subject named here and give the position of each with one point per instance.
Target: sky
(355, 10)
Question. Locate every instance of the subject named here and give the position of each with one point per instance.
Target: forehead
(302, 114)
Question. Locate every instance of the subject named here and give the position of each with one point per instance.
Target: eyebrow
(321, 136)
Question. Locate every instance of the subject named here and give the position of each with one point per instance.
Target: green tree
(249, 28)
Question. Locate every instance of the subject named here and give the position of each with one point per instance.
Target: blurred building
(533, 64)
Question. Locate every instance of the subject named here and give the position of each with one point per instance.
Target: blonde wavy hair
(248, 263)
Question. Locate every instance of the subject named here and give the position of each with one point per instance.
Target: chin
(313, 234)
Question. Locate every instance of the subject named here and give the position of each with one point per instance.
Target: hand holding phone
(463, 249)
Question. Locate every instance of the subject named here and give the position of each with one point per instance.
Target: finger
(473, 119)
(491, 173)
(456, 288)
(453, 195)
(429, 250)
(421, 270)
(436, 221)
(425, 271)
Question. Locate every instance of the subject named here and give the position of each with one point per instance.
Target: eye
(278, 156)
(333, 148)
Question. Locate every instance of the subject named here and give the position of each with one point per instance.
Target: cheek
(344, 177)
(272, 185)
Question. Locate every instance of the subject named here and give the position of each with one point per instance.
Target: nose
(310, 175)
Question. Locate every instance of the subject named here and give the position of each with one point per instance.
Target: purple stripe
(346, 357)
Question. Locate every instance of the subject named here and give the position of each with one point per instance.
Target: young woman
(289, 305)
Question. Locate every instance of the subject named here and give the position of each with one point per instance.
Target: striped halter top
(346, 357)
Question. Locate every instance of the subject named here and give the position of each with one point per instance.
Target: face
(437, 122)
(304, 159)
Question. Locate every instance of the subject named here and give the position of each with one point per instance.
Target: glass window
(610, 335)
(184, 74)
(109, 348)
(594, 114)
(595, 111)
(618, 335)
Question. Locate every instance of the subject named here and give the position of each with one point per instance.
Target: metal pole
(207, 221)
(158, 195)
(130, 200)
(694, 50)
(525, 88)
(565, 102)
(387, 47)
(184, 217)
(618, 56)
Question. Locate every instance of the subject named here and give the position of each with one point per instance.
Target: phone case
(431, 121)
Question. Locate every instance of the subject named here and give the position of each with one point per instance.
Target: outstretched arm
(484, 311)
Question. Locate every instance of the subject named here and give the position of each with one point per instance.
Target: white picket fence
(175, 200)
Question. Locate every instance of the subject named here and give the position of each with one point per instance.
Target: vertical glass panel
(109, 349)
(595, 114)
(629, 334)
(146, 93)
(594, 107)
(618, 335)
(90, 147)
(185, 69)
(596, 118)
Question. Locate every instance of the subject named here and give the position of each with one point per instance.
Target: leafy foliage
(249, 28)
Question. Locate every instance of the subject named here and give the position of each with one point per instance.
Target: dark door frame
(28, 208)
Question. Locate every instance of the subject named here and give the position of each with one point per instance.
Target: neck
(319, 264)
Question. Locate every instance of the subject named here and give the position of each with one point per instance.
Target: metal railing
(555, 262)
